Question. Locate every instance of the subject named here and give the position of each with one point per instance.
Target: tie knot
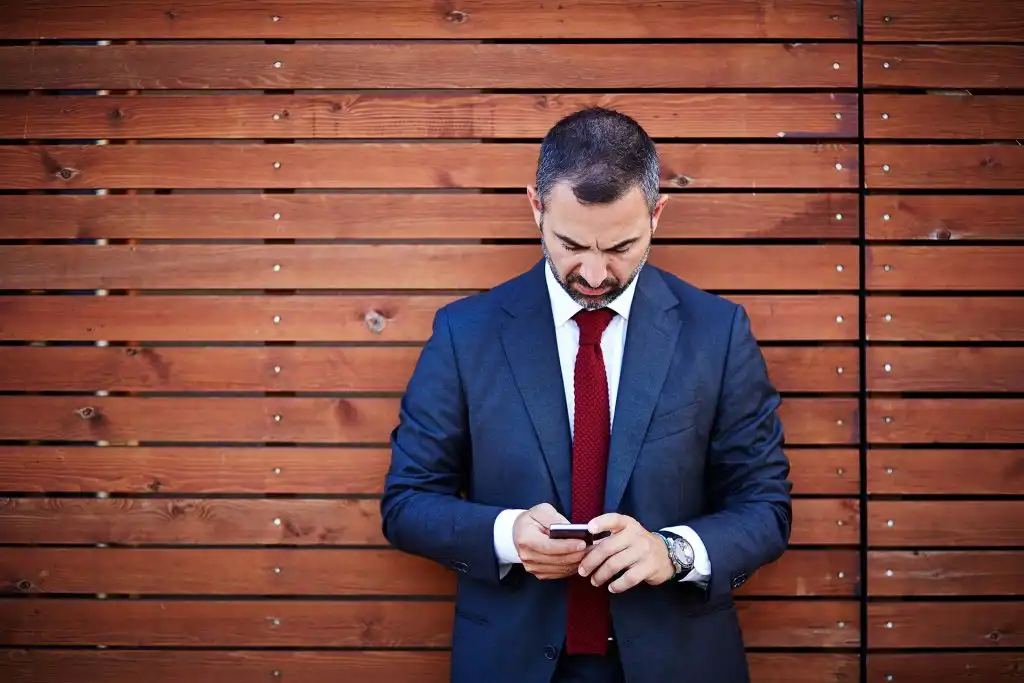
(592, 324)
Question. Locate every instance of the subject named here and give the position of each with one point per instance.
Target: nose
(594, 270)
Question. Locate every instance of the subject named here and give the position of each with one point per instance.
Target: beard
(615, 290)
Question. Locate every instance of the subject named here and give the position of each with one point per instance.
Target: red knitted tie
(588, 625)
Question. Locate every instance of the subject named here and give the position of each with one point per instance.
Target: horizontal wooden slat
(896, 368)
(428, 66)
(276, 368)
(946, 667)
(337, 318)
(945, 572)
(945, 420)
(891, 318)
(946, 267)
(43, 665)
(954, 167)
(948, 472)
(437, 115)
(307, 420)
(956, 116)
(340, 624)
(942, 217)
(397, 19)
(283, 572)
(945, 523)
(270, 470)
(398, 165)
(400, 216)
(944, 66)
(307, 267)
(188, 521)
(942, 20)
(949, 625)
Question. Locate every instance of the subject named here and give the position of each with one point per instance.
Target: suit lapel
(650, 344)
(532, 351)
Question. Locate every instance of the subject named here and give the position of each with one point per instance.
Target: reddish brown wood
(800, 624)
(465, 19)
(944, 67)
(399, 165)
(945, 420)
(947, 472)
(188, 521)
(309, 267)
(945, 624)
(952, 268)
(952, 167)
(956, 116)
(122, 419)
(400, 216)
(943, 217)
(896, 368)
(832, 573)
(942, 20)
(429, 65)
(191, 521)
(946, 667)
(891, 318)
(834, 471)
(996, 523)
(945, 572)
(434, 115)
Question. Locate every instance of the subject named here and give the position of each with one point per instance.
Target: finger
(562, 560)
(637, 573)
(546, 515)
(550, 570)
(618, 562)
(600, 552)
(610, 521)
(557, 546)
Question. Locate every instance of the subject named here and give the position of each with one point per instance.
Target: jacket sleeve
(748, 491)
(423, 509)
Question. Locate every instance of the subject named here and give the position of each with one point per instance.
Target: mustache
(608, 282)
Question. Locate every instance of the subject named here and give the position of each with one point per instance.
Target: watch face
(685, 552)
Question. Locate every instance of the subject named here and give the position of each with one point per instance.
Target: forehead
(616, 220)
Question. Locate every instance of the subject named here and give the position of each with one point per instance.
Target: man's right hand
(544, 557)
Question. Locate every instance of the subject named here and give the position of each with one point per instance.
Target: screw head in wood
(277, 65)
(277, 216)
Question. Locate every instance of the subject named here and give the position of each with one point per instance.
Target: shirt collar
(563, 307)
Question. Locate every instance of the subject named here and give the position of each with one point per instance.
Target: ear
(656, 214)
(536, 205)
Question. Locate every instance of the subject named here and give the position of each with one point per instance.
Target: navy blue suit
(696, 440)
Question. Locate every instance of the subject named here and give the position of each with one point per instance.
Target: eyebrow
(577, 245)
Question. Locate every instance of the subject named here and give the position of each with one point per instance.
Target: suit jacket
(484, 427)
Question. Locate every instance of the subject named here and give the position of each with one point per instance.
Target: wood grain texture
(367, 215)
(949, 573)
(944, 217)
(395, 19)
(981, 369)
(50, 665)
(198, 470)
(946, 667)
(944, 67)
(949, 268)
(431, 115)
(340, 318)
(947, 167)
(943, 20)
(298, 420)
(332, 572)
(993, 523)
(956, 116)
(286, 521)
(968, 319)
(945, 625)
(428, 65)
(945, 420)
(377, 267)
(421, 165)
(945, 471)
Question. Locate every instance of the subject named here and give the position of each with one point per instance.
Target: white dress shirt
(613, 342)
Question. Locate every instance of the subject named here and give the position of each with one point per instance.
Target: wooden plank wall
(226, 227)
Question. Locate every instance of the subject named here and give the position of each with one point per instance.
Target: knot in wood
(86, 412)
(65, 173)
(681, 181)
(457, 16)
(943, 234)
(375, 321)
(24, 585)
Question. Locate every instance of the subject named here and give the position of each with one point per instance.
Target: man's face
(595, 251)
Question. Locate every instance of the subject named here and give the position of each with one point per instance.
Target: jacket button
(550, 652)
(739, 580)
(460, 566)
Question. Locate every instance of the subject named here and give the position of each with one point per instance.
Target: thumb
(546, 514)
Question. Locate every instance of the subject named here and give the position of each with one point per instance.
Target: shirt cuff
(504, 543)
(701, 572)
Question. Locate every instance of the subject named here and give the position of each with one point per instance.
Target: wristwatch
(680, 552)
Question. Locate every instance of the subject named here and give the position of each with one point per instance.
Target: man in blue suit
(594, 389)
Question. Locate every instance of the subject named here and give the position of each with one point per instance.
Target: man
(595, 389)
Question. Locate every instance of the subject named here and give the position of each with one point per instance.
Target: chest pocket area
(674, 421)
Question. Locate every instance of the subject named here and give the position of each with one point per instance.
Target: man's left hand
(630, 548)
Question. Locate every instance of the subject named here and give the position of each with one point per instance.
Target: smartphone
(574, 531)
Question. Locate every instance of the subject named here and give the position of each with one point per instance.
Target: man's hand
(631, 549)
(544, 557)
